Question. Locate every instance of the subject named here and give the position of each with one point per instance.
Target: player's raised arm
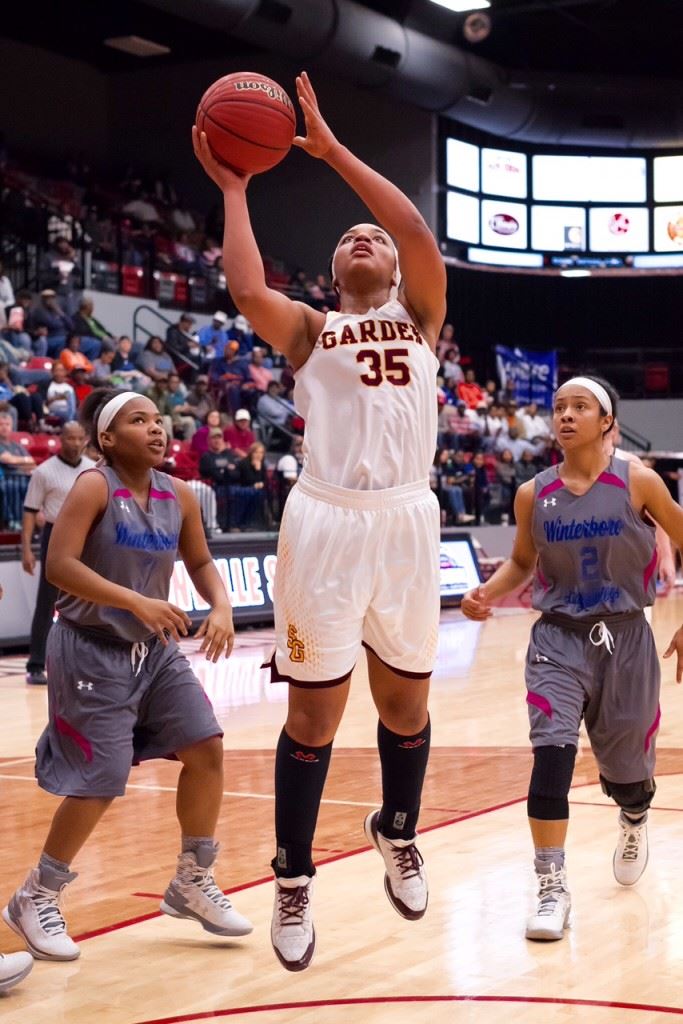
(291, 327)
(422, 269)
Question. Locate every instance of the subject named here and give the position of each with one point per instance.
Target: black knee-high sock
(300, 773)
(404, 763)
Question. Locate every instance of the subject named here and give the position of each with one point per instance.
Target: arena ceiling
(628, 37)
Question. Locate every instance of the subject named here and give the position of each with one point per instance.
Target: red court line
(601, 1004)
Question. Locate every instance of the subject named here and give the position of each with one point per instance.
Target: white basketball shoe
(291, 931)
(630, 856)
(34, 913)
(13, 968)
(193, 894)
(405, 879)
(554, 903)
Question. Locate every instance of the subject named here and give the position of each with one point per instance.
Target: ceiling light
(463, 5)
(575, 273)
(136, 45)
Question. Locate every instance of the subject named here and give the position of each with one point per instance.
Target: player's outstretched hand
(162, 617)
(319, 138)
(222, 175)
(218, 633)
(676, 646)
(475, 606)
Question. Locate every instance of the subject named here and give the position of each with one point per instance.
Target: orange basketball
(249, 121)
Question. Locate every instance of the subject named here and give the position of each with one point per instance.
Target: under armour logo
(549, 501)
(83, 685)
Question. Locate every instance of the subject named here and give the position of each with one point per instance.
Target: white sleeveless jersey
(367, 393)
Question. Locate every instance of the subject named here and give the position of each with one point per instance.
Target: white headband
(394, 288)
(594, 388)
(110, 409)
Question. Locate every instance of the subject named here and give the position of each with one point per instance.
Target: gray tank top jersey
(595, 554)
(132, 547)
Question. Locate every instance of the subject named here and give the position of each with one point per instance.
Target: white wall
(658, 419)
(116, 312)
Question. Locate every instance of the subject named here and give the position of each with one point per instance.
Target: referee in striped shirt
(49, 486)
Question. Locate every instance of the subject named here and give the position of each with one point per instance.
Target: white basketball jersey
(367, 393)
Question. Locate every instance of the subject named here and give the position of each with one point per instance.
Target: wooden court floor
(467, 960)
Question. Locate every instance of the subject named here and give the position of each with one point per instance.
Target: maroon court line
(601, 1004)
(129, 922)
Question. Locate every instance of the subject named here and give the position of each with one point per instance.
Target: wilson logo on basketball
(270, 90)
(411, 744)
(297, 651)
(300, 756)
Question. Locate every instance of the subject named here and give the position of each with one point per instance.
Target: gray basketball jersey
(595, 554)
(132, 547)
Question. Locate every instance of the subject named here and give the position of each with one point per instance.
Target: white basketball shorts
(356, 568)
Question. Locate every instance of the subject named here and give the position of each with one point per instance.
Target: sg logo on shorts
(297, 651)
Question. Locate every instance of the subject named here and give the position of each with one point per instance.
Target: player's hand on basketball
(474, 605)
(224, 176)
(217, 633)
(319, 138)
(676, 646)
(162, 617)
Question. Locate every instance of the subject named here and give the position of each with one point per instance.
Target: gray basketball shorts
(617, 694)
(105, 716)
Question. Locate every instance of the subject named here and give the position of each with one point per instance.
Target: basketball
(249, 121)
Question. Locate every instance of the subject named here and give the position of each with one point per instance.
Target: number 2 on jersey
(385, 364)
(590, 568)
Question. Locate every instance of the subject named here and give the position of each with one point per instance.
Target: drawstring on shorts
(138, 650)
(604, 637)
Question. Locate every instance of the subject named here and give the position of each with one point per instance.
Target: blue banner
(534, 374)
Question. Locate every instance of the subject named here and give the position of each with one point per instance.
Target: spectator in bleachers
(71, 355)
(508, 393)
(451, 485)
(218, 465)
(200, 439)
(513, 419)
(240, 437)
(446, 341)
(200, 401)
(155, 362)
(17, 466)
(124, 370)
(87, 325)
(259, 373)
(16, 331)
(491, 423)
(7, 299)
(491, 392)
(462, 427)
(526, 469)
(26, 406)
(81, 384)
(274, 408)
(536, 428)
(451, 368)
(184, 423)
(515, 444)
(213, 337)
(229, 373)
(480, 487)
(61, 397)
(291, 463)
(182, 340)
(250, 508)
(506, 477)
(60, 271)
(182, 217)
(241, 332)
(49, 314)
(102, 367)
(211, 253)
(330, 297)
(141, 208)
(158, 393)
(185, 255)
(469, 391)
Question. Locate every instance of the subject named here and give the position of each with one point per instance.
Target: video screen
(619, 229)
(504, 224)
(668, 229)
(459, 567)
(558, 228)
(590, 179)
(462, 165)
(462, 217)
(504, 173)
(668, 173)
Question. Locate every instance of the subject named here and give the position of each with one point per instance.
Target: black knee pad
(634, 797)
(551, 778)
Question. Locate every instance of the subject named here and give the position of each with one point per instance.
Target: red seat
(133, 281)
(40, 363)
(657, 378)
(22, 437)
